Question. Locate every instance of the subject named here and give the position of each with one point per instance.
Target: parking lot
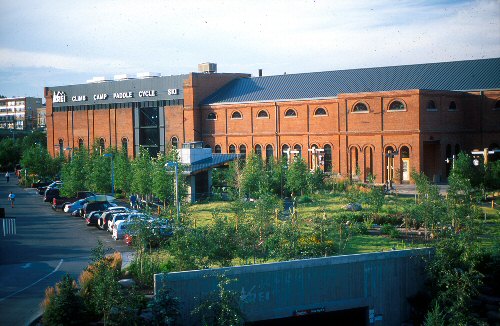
(43, 246)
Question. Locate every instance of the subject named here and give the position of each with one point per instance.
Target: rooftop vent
(207, 68)
(100, 79)
(123, 77)
(143, 75)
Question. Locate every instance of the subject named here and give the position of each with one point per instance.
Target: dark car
(50, 194)
(95, 206)
(41, 183)
(93, 217)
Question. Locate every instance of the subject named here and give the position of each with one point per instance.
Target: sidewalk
(410, 189)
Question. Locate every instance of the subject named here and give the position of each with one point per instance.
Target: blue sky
(52, 42)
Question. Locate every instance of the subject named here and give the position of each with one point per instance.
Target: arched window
(290, 113)
(125, 145)
(360, 107)
(101, 145)
(262, 114)
(298, 148)
(61, 147)
(269, 153)
(258, 150)
(497, 105)
(236, 115)
(327, 160)
(320, 112)
(212, 116)
(243, 150)
(232, 149)
(285, 149)
(397, 106)
(80, 143)
(405, 152)
(431, 106)
(175, 142)
(218, 149)
(453, 106)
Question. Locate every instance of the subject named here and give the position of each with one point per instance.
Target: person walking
(133, 201)
(12, 198)
(7, 176)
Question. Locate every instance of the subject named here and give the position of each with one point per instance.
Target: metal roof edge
(271, 101)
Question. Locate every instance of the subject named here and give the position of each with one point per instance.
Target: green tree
(163, 183)
(220, 241)
(221, 307)
(296, 177)
(123, 171)
(98, 171)
(10, 154)
(315, 180)
(252, 176)
(141, 173)
(73, 172)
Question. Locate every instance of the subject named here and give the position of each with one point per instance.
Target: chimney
(260, 72)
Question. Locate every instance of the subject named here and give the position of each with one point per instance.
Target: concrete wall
(380, 281)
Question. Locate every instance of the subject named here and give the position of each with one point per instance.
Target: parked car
(41, 183)
(160, 230)
(50, 194)
(120, 229)
(95, 206)
(93, 217)
(81, 198)
(123, 216)
(102, 223)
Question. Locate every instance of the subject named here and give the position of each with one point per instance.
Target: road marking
(17, 292)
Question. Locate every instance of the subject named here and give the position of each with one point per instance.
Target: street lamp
(177, 204)
(112, 173)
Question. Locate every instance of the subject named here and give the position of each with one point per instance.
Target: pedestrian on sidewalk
(12, 198)
(7, 176)
(133, 201)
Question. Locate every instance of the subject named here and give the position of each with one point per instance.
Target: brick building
(382, 121)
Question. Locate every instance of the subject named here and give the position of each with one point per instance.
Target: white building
(19, 113)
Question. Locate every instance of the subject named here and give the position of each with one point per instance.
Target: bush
(304, 199)
(144, 267)
(390, 230)
(63, 306)
(165, 308)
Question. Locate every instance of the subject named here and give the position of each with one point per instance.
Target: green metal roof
(480, 74)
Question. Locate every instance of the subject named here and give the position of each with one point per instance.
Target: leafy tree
(315, 180)
(296, 177)
(276, 176)
(37, 138)
(123, 171)
(65, 307)
(141, 173)
(220, 241)
(252, 176)
(73, 172)
(221, 307)
(10, 154)
(163, 184)
(492, 175)
(235, 179)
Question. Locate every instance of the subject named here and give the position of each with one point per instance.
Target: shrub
(63, 306)
(389, 230)
(165, 308)
(144, 269)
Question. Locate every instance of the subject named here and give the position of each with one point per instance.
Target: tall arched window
(243, 150)
(101, 145)
(218, 149)
(389, 163)
(236, 115)
(298, 148)
(212, 116)
(397, 106)
(232, 149)
(327, 160)
(431, 106)
(354, 161)
(262, 114)
(61, 147)
(258, 150)
(449, 159)
(497, 105)
(125, 145)
(80, 143)
(175, 142)
(453, 106)
(269, 153)
(320, 112)
(290, 113)
(285, 151)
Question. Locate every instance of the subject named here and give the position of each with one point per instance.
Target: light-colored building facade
(19, 113)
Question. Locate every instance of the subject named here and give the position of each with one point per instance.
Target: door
(406, 170)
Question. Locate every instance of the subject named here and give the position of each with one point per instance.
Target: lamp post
(177, 204)
(112, 173)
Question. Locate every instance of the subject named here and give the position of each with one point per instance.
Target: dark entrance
(432, 165)
(351, 317)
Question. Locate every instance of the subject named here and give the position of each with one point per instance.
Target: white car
(102, 222)
(120, 229)
(123, 216)
(71, 208)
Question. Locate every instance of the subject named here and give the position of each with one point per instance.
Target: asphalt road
(46, 246)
